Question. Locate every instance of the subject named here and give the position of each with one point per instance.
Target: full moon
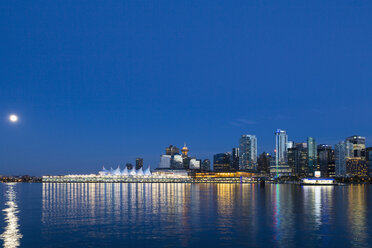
(13, 118)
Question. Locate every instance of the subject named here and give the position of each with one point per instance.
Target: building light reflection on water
(11, 236)
(357, 207)
(249, 214)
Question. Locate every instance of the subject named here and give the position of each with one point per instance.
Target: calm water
(184, 215)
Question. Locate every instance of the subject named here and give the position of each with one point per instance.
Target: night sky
(103, 82)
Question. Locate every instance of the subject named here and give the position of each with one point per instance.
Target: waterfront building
(311, 156)
(121, 173)
(297, 159)
(194, 164)
(206, 165)
(235, 159)
(186, 162)
(350, 154)
(326, 160)
(279, 169)
(263, 163)
(356, 167)
(129, 166)
(359, 146)
(177, 162)
(343, 151)
(291, 153)
(280, 165)
(171, 150)
(281, 141)
(369, 160)
(165, 162)
(248, 152)
(139, 163)
(221, 162)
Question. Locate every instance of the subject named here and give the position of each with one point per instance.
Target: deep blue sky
(102, 82)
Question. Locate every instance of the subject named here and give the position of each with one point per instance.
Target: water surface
(184, 215)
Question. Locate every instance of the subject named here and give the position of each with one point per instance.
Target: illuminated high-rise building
(280, 162)
(235, 159)
(281, 141)
(326, 160)
(263, 163)
(311, 156)
(343, 151)
(359, 146)
(248, 152)
(206, 165)
(356, 167)
(221, 162)
(297, 159)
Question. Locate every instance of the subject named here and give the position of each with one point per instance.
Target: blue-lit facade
(248, 152)
(312, 156)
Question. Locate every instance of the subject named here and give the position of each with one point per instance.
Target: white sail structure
(117, 172)
(139, 172)
(147, 172)
(125, 172)
(132, 172)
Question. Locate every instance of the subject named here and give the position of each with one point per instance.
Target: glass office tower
(248, 152)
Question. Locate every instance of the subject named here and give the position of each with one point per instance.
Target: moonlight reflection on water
(11, 235)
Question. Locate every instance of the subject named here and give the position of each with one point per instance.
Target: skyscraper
(221, 162)
(326, 160)
(311, 156)
(281, 141)
(343, 151)
(281, 166)
(139, 163)
(297, 159)
(359, 146)
(263, 163)
(171, 150)
(248, 152)
(235, 159)
(206, 165)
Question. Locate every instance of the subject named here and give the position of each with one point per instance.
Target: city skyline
(185, 123)
(346, 145)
